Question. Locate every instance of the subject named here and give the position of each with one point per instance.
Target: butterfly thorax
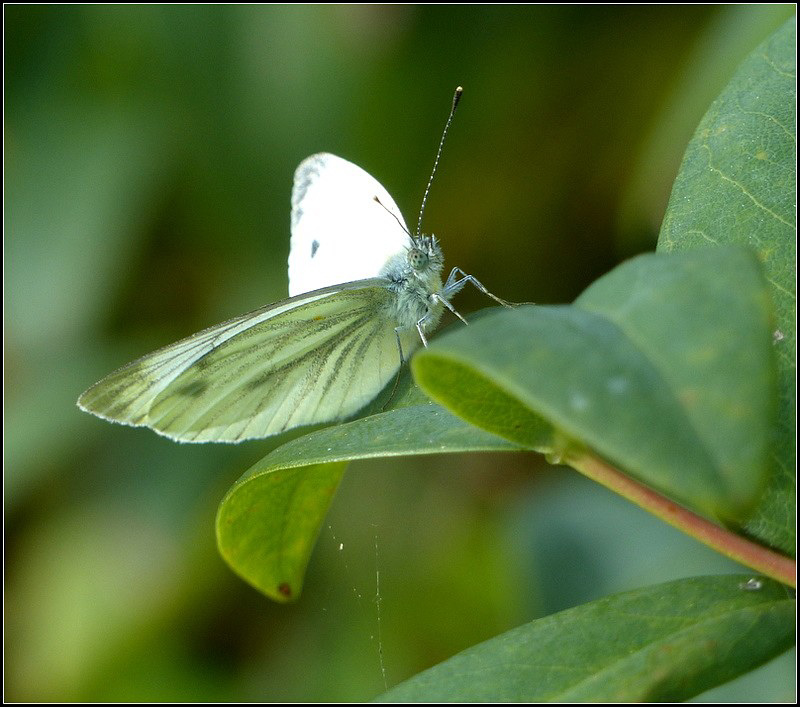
(415, 276)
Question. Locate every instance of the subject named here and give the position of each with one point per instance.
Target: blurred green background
(149, 154)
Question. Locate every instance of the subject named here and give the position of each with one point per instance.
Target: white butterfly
(364, 293)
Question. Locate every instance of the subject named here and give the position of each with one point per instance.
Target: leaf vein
(778, 70)
(772, 119)
(744, 190)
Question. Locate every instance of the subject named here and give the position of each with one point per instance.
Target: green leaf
(737, 184)
(662, 643)
(267, 524)
(269, 520)
(663, 367)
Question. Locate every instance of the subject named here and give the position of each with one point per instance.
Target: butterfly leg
(422, 333)
(438, 298)
(458, 279)
(435, 297)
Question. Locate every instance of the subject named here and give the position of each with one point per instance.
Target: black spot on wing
(193, 390)
(314, 247)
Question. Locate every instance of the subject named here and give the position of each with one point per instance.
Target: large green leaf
(663, 367)
(270, 518)
(737, 184)
(662, 643)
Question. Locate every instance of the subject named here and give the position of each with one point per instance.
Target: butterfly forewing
(315, 358)
(339, 231)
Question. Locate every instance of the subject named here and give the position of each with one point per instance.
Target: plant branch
(760, 558)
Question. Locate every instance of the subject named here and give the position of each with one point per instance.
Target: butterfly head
(425, 255)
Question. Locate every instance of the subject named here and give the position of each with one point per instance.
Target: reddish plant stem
(758, 557)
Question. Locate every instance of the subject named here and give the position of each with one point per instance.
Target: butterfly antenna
(391, 213)
(456, 99)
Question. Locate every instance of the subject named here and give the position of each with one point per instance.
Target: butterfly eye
(417, 258)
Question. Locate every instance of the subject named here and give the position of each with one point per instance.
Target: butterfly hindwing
(310, 359)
